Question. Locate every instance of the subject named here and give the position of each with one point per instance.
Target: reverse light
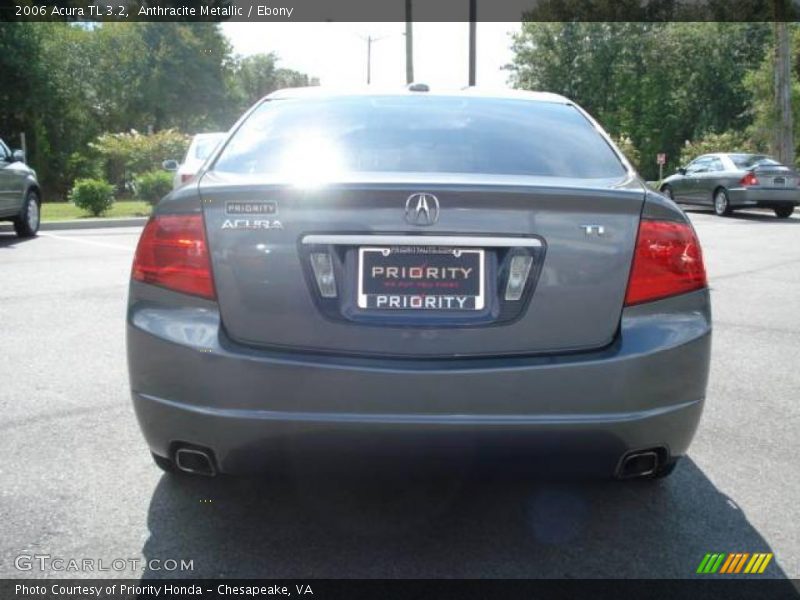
(322, 265)
(667, 261)
(173, 253)
(518, 276)
(749, 179)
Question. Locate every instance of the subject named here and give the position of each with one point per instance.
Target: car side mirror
(18, 156)
(682, 170)
(170, 165)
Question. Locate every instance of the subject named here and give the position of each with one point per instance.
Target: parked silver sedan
(20, 195)
(728, 181)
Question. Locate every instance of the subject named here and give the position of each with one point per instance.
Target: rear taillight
(173, 253)
(186, 177)
(749, 179)
(667, 261)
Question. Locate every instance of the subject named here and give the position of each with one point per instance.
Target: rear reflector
(749, 179)
(518, 276)
(173, 253)
(322, 265)
(667, 261)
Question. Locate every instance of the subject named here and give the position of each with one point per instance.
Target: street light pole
(369, 58)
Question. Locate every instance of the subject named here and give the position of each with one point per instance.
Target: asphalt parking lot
(77, 480)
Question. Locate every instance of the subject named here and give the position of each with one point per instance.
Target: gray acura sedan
(446, 266)
(727, 181)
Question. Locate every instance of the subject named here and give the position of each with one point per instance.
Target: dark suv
(20, 195)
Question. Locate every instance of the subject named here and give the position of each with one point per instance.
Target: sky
(336, 53)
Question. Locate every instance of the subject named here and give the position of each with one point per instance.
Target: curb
(84, 224)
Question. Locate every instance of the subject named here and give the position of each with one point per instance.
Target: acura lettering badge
(422, 209)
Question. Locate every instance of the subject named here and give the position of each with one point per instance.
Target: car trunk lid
(580, 237)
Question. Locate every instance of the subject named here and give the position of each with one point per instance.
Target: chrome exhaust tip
(638, 464)
(196, 461)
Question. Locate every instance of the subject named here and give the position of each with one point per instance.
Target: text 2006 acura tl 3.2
(463, 265)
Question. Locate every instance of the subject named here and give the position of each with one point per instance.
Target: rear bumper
(769, 198)
(192, 385)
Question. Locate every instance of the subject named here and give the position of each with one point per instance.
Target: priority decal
(251, 208)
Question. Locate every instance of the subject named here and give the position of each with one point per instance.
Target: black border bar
(710, 587)
(395, 10)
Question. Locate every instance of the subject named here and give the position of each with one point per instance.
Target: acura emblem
(422, 209)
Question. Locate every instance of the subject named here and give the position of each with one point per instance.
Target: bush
(93, 195)
(730, 141)
(122, 155)
(625, 144)
(153, 185)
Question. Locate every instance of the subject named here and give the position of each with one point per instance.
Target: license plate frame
(407, 294)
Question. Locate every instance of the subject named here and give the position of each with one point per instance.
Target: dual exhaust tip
(195, 460)
(641, 463)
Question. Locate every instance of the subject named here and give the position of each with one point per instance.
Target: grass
(63, 211)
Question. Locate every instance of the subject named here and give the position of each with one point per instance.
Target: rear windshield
(418, 133)
(748, 161)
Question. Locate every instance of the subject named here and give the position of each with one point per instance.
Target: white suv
(203, 144)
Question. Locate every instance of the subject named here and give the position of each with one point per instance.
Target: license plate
(779, 181)
(421, 278)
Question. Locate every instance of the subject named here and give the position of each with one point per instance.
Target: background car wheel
(164, 464)
(27, 223)
(722, 207)
(667, 191)
(784, 212)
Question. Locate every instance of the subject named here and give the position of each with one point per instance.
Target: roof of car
(326, 92)
(713, 154)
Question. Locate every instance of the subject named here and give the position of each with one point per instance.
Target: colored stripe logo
(734, 563)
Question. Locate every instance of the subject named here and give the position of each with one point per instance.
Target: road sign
(661, 159)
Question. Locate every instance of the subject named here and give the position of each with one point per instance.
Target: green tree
(65, 84)
(119, 57)
(22, 80)
(659, 83)
(760, 84)
(253, 77)
(183, 78)
(68, 121)
(45, 94)
(21, 76)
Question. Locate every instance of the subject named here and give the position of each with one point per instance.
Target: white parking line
(88, 242)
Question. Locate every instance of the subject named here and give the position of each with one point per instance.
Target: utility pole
(409, 44)
(784, 138)
(371, 40)
(369, 58)
(473, 16)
